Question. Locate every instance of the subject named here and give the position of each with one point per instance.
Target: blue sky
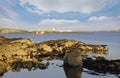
(83, 15)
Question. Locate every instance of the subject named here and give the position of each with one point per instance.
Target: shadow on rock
(17, 65)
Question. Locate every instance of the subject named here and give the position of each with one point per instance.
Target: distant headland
(9, 30)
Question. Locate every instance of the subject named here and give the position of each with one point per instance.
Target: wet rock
(44, 66)
(3, 68)
(18, 65)
(73, 58)
(102, 65)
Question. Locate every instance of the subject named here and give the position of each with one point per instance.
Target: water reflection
(15, 64)
(73, 72)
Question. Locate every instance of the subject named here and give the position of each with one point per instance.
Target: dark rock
(73, 58)
(102, 65)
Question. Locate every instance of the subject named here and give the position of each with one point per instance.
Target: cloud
(110, 24)
(8, 23)
(57, 22)
(101, 18)
(83, 6)
(6, 9)
(5, 20)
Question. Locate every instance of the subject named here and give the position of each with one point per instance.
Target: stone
(102, 65)
(16, 46)
(73, 58)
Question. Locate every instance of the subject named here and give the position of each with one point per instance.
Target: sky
(82, 15)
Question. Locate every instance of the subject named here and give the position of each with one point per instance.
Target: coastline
(9, 31)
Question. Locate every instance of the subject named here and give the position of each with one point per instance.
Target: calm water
(112, 39)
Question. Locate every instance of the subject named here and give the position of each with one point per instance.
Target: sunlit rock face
(26, 47)
(16, 46)
(56, 47)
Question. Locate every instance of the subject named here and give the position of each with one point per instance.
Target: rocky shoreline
(102, 65)
(16, 53)
(27, 47)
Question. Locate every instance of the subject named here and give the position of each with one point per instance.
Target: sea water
(112, 39)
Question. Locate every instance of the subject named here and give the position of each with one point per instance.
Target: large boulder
(73, 58)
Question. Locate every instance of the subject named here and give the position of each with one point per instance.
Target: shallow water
(112, 39)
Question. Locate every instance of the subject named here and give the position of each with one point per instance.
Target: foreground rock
(16, 47)
(102, 65)
(26, 47)
(16, 66)
(73, 58)
(16, 53)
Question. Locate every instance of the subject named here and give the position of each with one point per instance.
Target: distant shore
(8, 30)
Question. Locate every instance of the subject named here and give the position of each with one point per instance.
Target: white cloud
(83, 6)
(6, 9)
(118, 16)
(111, 24)
(5, 20)
(101, 18)
(8, 23)
(58, 22)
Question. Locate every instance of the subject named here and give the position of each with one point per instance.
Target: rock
(99, 57)
(25, 49)
(19, 46)
(56, 47)
(73, 58)
(102, 65)
(45, 47)
(3, 69)
(27, 53)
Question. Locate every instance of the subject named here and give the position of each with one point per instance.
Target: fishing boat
(40, 32)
